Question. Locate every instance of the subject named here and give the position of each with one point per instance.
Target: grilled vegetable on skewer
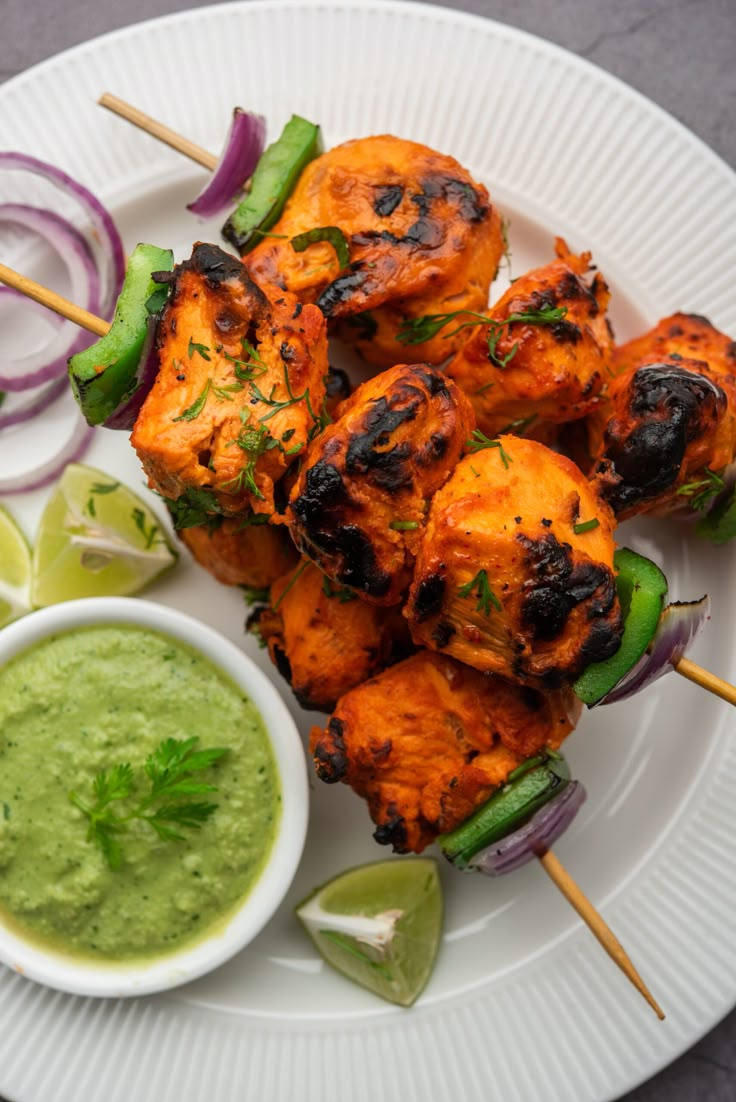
(450, 738)
(197, 507)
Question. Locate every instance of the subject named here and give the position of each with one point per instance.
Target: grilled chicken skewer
(686, 667)
(449, 738)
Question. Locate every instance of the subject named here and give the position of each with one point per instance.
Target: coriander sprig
(418, 330)
(479, 586)
(166, 807)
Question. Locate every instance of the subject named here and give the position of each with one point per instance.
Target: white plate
(523, 1005)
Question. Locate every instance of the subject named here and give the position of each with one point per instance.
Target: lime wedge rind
(15, 570)
(96, 539)
(379, 925)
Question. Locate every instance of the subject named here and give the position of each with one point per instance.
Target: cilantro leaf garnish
(479, 441)
(197, 405)
(169, 772)
(480, 588)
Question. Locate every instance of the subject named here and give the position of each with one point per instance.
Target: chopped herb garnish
(255, 595)
(585, 526)
(194, 509)
(253, 520)
(333, 235)
(91, 509)
(704, 491)
(225, 392)
(293, 581)
(365, 323)
(169, 771)
(149, 534)
(254, 442)
(193, 411)
(476, 473)
(403, 525)
(104, 487)
(519, 426)
(479, 441)
(342, 595)
(203, 350)
(418, 330)
(480, 588)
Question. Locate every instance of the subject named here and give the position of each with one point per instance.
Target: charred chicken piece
(238, 553)
(550, 364)
(359, 504)
(427, 741)
(515, 572)
(325, 640)
(422, 236)
(680, 336)
(666, 433)
(239, 390)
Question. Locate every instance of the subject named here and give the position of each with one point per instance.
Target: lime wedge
(380, 925)
(96, 539)
(15, 570)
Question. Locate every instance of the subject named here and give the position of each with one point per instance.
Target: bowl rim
(107, 979)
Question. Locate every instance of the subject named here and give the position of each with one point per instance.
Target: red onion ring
(50, 362)
(535, 836)
(679, 626)
(106, 231)
(49, 471)
(244, 145)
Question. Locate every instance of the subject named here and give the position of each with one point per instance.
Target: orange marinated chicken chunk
(359, 504)
(326, 640)
(426, 742)
(546, 353)
(667, 428)
(422, 236)
(239, 390)
(238, 553)
(515, 573)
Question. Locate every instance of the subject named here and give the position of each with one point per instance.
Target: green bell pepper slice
(642, 590)
(527, 788)
(273, 181)
(104, 375)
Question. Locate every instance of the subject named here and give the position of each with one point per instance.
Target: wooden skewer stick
(693, 672)
(595, 923)
(549, 862)
(83, 318)
(158, 130)
(57, 303)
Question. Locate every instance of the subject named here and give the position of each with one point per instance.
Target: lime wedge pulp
(380, 925)
(15, 570)
(96, 539)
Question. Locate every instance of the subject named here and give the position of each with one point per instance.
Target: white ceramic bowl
(77, 976)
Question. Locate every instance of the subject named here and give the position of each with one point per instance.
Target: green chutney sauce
(88, 700)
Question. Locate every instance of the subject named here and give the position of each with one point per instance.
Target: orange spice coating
(359, 505)
(422, 234)
(555, 371)
(324, 639)
(503, 581)
(668, 422)
(202, 426)
(690, 336)
(427, 741)
(234, 554)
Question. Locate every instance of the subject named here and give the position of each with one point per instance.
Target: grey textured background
(681, 54)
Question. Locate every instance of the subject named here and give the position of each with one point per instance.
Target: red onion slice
(49, 363)
(679, 626)
(106, 232)
(244, 144)
(46, 473)
(534, 837)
